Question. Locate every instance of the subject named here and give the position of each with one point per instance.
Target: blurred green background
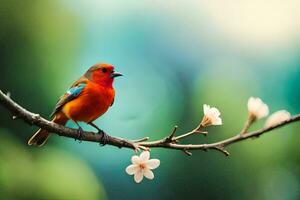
(176, 56)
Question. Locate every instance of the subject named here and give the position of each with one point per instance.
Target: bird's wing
(71, 94)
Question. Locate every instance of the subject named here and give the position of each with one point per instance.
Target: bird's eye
(104, 70)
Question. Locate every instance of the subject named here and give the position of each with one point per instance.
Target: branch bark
(169, 142)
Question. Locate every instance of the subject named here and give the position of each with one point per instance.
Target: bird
(86, 100)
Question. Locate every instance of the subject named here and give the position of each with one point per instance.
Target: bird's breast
(93, 102)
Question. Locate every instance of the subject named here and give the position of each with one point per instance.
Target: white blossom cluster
(142, 165)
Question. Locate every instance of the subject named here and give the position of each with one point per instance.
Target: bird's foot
(104, 138)
(80, 137)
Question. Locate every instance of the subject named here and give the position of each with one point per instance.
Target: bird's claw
(104, 138)
(80, 137)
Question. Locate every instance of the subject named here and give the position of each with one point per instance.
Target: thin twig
(37, 120)
(170, 138)
(248, 123)
(140, 140)
(197, 130)
(187, 152)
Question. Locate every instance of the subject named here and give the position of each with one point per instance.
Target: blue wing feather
(71, 94)
(75, 91)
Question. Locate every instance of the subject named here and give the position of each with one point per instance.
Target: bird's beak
(115, 74)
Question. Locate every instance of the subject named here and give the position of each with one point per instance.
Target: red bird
(86, 100)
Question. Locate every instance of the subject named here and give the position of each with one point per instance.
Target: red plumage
(86, 100)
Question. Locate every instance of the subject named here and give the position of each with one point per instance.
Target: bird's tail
(41, 136)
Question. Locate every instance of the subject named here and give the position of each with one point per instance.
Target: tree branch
(170, 142)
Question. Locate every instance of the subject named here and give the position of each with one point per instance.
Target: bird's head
(102, 74)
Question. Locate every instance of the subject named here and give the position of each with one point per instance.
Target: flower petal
(211, 116)
(277, 118)
(132, 169)
(145, 155)
(257, 108)
(138, 176)
(218, 121)
(153, 163)
(206, 108)
(264, 111)
(252, 103)
(215, 111)
(135, 160)
(148, 174)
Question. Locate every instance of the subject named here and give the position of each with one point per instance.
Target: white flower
(277, 118)
(142, 166)
(257, 108)
(211, 116)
